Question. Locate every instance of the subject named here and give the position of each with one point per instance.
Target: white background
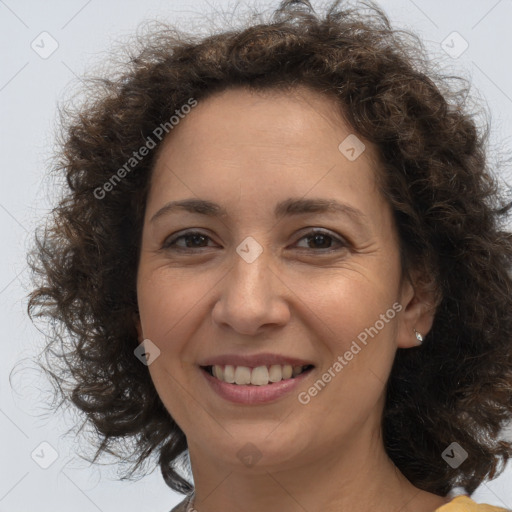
(30, 88)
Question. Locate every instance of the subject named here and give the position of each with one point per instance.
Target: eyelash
(168, 243)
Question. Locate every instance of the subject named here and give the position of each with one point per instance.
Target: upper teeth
(259, 376)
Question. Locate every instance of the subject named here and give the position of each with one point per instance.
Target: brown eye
(192, 240)
(322, 240)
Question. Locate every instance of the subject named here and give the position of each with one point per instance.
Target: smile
(258, 376)
(242, 391)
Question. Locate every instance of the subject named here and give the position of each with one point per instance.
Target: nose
(252, 297)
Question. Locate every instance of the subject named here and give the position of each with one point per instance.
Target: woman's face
(247, 283)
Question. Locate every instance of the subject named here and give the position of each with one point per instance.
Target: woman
(281, 260)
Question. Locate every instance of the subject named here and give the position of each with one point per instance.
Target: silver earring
(419, 337)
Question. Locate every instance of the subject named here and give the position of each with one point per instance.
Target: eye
(323, 239)
(196, 239)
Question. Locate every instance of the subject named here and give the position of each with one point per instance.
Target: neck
(359, 476)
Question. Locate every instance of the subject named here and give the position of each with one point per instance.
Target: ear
(419, 301)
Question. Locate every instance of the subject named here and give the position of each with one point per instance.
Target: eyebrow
(286, 208)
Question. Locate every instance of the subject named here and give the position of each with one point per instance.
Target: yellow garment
(465, 504)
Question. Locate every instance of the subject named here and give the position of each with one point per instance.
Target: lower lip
(250, 394)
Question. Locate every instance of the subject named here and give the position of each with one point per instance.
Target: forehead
(271, 119)
(241, 142)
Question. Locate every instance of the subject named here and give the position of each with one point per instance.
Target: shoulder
(183, 505)
(466, 504)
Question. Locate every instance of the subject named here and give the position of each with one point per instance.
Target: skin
(247, 151)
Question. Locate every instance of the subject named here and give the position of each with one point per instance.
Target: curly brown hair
(449, 211)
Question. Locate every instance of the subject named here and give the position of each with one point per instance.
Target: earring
(419, 337)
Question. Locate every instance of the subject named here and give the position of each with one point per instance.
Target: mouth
(256, 376)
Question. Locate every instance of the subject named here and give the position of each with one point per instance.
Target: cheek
(167, 300)
(348, 301)
(166, 305)
(354, 324)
